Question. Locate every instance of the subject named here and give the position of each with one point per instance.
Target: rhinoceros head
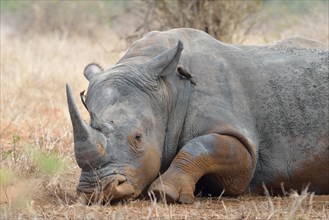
(119, 151)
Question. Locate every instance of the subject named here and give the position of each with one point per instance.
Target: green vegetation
(6, 177)
(12, 5)
(47, 163)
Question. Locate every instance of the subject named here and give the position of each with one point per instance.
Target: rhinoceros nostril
(117, 187)
(121, 179)
(113, 188)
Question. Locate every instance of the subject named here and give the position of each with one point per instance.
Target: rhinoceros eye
(136, 141)
(138, 137)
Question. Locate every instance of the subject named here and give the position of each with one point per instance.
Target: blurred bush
(66, 18)
(232, 21)
(221, 19)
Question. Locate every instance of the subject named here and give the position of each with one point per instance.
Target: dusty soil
(244, 207)
(54, 198)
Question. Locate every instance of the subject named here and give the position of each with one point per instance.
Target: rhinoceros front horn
(89, 144)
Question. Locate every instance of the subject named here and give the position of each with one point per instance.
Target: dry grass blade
(267, 194)
(298, 199)
(221, 194)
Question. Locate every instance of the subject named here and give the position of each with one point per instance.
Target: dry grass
(38, 174)
(56, 199)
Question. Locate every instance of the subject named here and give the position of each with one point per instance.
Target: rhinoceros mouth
(112, 189)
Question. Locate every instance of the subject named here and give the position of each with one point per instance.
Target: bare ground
(53, 197)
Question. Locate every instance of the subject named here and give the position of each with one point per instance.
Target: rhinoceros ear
(92, 70)
(166, 63)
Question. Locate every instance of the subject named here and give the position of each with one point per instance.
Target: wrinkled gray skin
(257, 114)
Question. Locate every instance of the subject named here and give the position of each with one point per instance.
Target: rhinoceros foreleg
(224, 157)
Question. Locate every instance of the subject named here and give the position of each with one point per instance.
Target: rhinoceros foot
(165, 193)
(171, 190)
